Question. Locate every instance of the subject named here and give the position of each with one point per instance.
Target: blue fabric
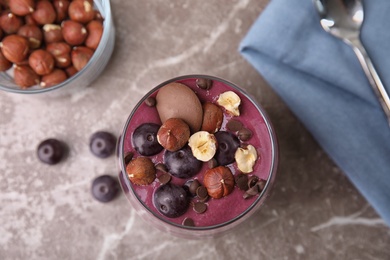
(322, 82)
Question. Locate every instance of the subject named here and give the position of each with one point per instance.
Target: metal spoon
(343, 19)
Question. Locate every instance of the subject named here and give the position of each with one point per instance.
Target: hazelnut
(53, 78)
(4, 63)
(98, 16)
(80, 57)
(61, 7)
(95, 31)
(28, 19)
(61, 53)
(10, 23)
(21, 7)
(41, 61)
(25, 77)
(52, 33)
(219, 182)
(15, 48)
(73, 32)
(33, 34)
(173, 134)
(212, 117)
(81, 11)
(70, 71)
(44, 12)
(141, 171)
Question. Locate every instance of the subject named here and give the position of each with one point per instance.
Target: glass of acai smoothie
(198, 156)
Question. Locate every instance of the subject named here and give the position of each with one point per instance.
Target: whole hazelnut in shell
(61, 7)
(61, 53)
(10, 23)
(41, 61)
(53, 78)
(52, 33)
(173, 134)
(81, 11)
(25, 77)
(15, 48)
(80, 57)
(44, 12)
(219, 182)
(212, 117)
(4, 63)
(73, 32)
(33, 33)
(21, 7)
(141, 171)
(95, 32)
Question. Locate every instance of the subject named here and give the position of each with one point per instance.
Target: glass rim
(261, 196)
(105, 10)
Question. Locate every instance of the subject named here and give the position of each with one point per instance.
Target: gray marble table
(47, 212)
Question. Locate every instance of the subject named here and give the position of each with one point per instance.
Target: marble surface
(47, 212)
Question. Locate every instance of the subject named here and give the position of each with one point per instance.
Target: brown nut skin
(4, 63)
(219, 182)
(81, 56)
(21, 7)
(41, 61)
(53, 78)
(28, 19)
(52, 33)
(25, 77)
(61, 7)
(15, 48)
(95, 32)
(141, 171)
(173, 134)
(33, 33)
(81, 11)
(73, 32)
(70, 71)
(61, 53)
(212, 117)
(10, 23)
(44, 12)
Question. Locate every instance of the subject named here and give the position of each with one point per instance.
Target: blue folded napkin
(322, 82)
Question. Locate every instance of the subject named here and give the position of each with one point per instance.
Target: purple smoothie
(219, 211)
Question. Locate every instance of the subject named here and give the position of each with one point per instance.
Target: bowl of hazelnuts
(47, 45)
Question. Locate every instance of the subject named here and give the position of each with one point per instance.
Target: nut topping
(219, 182)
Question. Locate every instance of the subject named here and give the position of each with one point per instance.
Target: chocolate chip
(164, 178)
(188, 222)
(204, 83)
(261, 184)
(212, 163)
(244, 134)
(161, 167)
(234, 125)
(128, 157)
(201, 192)
(200, 207)
(194, 186)
(255, 189)
(150, 101)
(242, 181)
(252, 181)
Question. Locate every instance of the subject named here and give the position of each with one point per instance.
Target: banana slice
(203, 145)
(246, 158)
(230, 101)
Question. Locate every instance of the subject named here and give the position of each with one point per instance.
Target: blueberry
(171, 200)
(102, 144)
(227, 146)
(105, 188)
(51, 151)
(182, 163)
(145, 139)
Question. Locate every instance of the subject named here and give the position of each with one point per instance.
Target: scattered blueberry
(102, 144)
(51, 151)
(182, 163)
(227, 146)
(145, 139)
(105, 188)
(171, 200)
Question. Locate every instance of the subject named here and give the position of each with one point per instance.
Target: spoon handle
(373, 77)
